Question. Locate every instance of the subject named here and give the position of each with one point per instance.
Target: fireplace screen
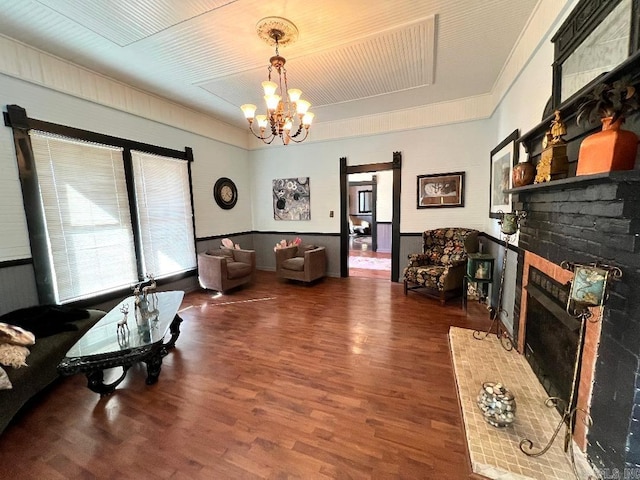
(551, 335)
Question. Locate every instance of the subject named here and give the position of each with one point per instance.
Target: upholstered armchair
(226, 268)
(440, 268)
(305, 263)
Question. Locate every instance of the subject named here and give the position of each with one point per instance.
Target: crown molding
(40, 68)
(432, 115)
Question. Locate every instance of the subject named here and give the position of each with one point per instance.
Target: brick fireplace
(583, 220)
(589, 351)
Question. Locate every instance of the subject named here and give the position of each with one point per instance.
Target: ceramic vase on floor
(610, 149)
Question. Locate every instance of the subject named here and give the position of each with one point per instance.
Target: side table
(479, 271)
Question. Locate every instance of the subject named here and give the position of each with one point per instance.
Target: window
(163, 200)
(104, 216)
(364, 201)
(86, 211)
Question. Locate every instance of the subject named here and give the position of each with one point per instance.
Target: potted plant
(612, 148)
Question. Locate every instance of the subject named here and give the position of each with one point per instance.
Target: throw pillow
(45, 320)
(5, 383)
(15, 335)
(13, 355)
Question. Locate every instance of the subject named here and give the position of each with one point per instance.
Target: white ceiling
(352, 57)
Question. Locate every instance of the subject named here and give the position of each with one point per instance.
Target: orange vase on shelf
(610, 149)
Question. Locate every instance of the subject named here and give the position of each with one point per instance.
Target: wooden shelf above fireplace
(630, 176)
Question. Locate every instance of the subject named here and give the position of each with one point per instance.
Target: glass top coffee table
(113, 343)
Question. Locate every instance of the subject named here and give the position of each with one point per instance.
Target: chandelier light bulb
(269, 87)
(249, 110)
(302, 106)
(308, 118)
(262, 121)
(288, 125)
(272, 101)
(294, 94)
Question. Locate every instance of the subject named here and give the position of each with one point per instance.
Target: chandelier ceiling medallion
(287, 114)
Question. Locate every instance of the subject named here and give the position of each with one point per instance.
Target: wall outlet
(330, 213)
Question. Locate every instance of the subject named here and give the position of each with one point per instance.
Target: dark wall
(589, 219)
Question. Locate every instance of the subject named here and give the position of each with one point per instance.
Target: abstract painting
(291, 199)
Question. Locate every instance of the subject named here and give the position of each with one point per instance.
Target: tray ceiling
(352, 58)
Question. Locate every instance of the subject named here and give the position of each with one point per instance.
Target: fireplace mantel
(629, 176)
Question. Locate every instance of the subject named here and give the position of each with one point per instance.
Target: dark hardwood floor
(347, 378)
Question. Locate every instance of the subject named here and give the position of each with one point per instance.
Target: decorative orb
(498, 405)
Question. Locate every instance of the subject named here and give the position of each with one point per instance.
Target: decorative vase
(498, 405)
(523, 174)
(608, 150)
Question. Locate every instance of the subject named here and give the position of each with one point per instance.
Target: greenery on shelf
(615, 100)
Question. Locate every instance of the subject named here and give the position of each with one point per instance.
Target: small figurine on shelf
(558, 128)
(553, 163)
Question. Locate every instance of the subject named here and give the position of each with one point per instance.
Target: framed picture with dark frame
(502, 160)
(441, 190)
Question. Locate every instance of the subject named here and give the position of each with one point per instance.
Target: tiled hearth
(494, 451)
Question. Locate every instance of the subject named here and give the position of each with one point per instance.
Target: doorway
(355, 243)
(369, 233)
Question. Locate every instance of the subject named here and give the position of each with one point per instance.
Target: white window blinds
(164, 214)
(86, 208)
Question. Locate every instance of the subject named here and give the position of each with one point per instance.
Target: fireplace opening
(551, 335)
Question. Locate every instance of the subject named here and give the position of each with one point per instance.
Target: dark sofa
(42, 364)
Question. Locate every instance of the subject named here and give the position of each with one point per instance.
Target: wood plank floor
(347, 378)
(364, 250)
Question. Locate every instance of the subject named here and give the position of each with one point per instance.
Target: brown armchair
(305, 263)
(226, 268)
(440, 268)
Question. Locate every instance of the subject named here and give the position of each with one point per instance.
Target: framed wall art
(502, 160)
(291, 199)
(441, 190)
(589, 285)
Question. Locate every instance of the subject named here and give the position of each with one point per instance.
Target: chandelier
(287, 115)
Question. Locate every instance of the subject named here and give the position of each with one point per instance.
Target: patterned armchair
(440, 268)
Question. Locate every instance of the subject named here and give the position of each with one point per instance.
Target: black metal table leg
(174, 328)
(154, 365)
(95, 381)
